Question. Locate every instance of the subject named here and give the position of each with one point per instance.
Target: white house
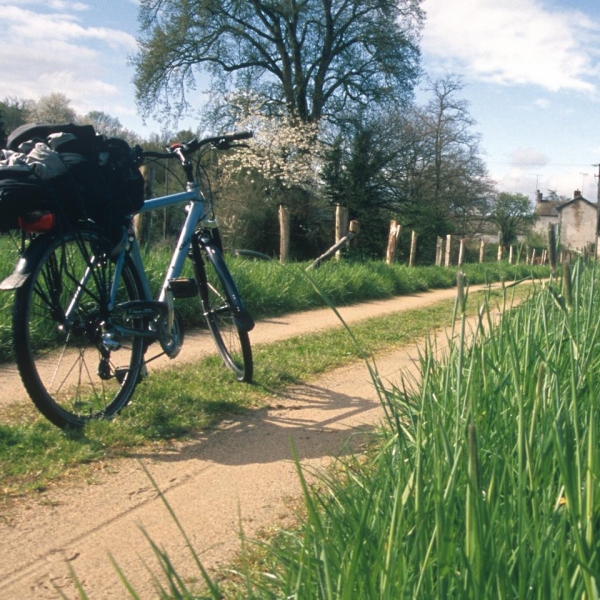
(576, 220)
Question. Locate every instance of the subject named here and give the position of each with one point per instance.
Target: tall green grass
(486, 480)
(484, 484)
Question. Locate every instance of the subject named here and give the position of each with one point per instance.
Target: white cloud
(513, 42)
(542, 103)
(64, 5)
(529, 157)
(24, 27)
(51, 51)
(564, 181)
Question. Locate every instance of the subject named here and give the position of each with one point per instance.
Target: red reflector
(37, 224)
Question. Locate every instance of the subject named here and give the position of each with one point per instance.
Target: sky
(531, 71)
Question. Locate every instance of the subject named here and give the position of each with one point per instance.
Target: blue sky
(531, 70)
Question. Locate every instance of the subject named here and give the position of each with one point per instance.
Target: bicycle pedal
(121, 373)
(183, 287)
(142, 373)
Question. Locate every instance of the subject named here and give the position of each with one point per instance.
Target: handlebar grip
(242, 135)
(154, 154)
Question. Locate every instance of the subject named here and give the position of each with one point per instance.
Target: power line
(534, 164)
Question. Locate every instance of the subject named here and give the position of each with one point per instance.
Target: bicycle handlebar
(221, 142)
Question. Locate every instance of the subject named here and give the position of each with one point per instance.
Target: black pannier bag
(19, 197)
(98, 178)
(122, 175)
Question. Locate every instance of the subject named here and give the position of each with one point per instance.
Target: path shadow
(318, 422)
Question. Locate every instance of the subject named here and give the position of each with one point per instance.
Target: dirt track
(235, 478)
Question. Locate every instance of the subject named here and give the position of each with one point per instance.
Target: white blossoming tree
(280, 165)
(285, 152)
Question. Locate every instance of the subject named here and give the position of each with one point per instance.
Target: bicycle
(84, 316)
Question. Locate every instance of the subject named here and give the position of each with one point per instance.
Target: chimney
(576, 194)
(539, 196)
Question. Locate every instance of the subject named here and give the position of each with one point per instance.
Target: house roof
(551, 208)
(547, 208)
(570, 202)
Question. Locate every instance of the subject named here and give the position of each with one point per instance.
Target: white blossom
(284, 151)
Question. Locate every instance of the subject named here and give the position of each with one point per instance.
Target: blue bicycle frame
(195, 214)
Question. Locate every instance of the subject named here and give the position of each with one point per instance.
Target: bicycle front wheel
(74, 358)
(219, 308)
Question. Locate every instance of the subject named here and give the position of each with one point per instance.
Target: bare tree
(306, 58)
(444, 172)
(104, 123)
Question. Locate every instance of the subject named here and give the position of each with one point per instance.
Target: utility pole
(598, 184)
(598, 217)
(583, 176)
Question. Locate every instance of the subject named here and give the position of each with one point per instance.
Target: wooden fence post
(448, 248)
(354, 229)
(284, 233)
(552, 247)
(481, 250)
(413, 248)
(500, 251)
(392, 246)
(142, 221)
(510, 255)
(533, 257)
(439, 251)
(341, 225)
(461, 252)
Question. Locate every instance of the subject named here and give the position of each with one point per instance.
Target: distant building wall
(546, 212)
(578, 224)
(576, 220)
(541, 225)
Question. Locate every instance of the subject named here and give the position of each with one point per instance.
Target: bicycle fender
(26, 264)
(241, 317)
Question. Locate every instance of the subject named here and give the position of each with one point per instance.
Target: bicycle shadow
(317, 421)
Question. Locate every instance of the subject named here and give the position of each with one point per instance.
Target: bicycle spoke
(64, 309)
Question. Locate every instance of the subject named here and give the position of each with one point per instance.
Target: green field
(484, 484)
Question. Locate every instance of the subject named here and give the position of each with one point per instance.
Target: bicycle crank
(170, 338)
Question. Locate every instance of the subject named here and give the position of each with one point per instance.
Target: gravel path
(239, 477)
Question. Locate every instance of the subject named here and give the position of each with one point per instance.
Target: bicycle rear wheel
(215, 286)
(75, 362)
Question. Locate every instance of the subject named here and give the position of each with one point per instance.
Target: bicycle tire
(65, 365)
(214, 288)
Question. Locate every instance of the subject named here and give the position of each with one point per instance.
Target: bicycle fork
(208, 239)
